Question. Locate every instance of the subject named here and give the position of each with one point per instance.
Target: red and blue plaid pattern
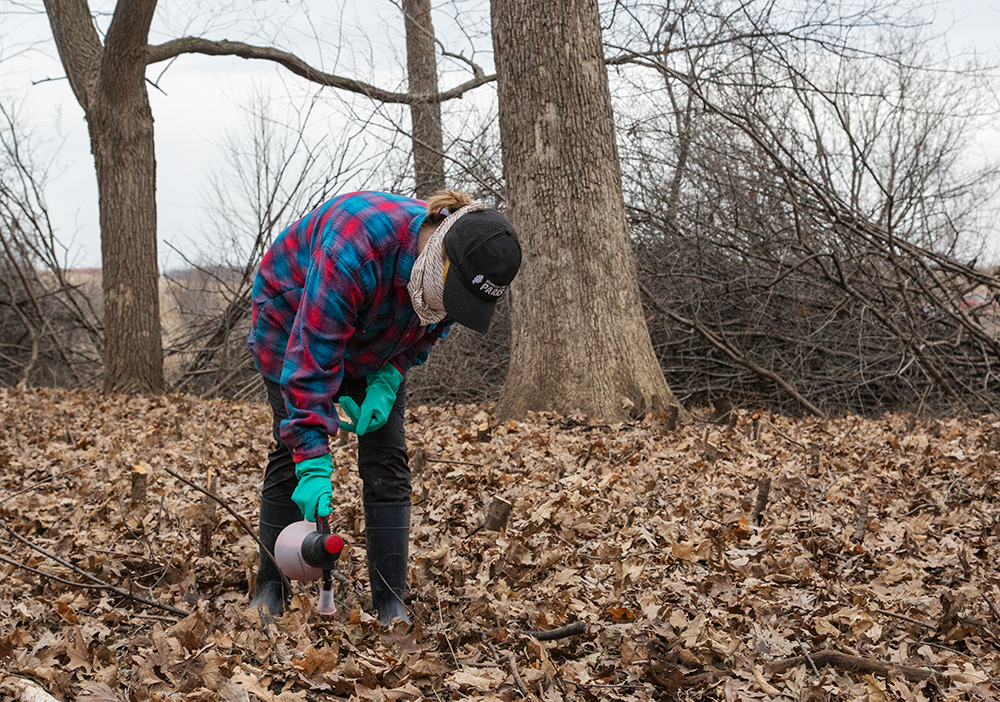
(330, 300)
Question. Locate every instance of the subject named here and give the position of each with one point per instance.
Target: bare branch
(199, 45)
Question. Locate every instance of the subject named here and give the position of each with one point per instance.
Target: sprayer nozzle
(326, 604)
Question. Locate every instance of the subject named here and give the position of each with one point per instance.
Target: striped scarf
(426, 286)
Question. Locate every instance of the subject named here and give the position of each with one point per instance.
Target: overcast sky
(201, 102)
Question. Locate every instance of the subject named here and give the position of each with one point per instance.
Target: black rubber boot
(269, 590)
(387, 536)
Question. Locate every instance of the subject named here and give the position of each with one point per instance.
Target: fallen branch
(560, 633)
(853, 664)
(98, 583)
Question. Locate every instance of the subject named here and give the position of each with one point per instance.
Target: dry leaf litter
(870, 573)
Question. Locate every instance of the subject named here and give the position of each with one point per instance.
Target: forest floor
(808, 559)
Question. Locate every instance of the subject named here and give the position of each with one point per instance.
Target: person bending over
(345, 302)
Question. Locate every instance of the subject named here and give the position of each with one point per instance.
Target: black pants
(382, 460)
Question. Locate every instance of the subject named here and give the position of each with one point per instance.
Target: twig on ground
(350, 582)
(451, 648)
(993, 607)
(712, 678)
(963, 655)
(166, 568)
(606, 686)
(131, 531)
(50, 576)
(561, 633)
(238, 518)
(457, 463)
(707, 518)
(786, 437)
(887, 613)
(805, 652)
(671, 556)
(155, 617)
(918, 508)
(518, 683)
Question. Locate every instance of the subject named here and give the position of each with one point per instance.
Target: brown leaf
(97, 692)
(664, 674)
(311, 660)
(66, 613)
(190, 631)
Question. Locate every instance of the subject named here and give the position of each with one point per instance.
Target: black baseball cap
(483, 258)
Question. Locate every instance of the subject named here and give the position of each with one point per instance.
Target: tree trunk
(109, 83)
(421, 66)
(121, 139)
(579, 338)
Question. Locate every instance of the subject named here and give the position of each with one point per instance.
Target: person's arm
(314, 368)
(416, 354)
(384, 383)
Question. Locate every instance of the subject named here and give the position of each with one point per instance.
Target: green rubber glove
(314, 493)
(379, 399)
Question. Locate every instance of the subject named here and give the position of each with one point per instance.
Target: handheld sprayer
(307, 551)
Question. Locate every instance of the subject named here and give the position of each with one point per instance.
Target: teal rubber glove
(379, 399)
(314, 493)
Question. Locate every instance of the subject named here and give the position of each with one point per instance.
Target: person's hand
(314, 493)
(379, 399)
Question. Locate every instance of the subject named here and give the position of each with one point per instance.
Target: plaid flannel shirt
(330, 300)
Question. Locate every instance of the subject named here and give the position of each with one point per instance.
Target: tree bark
(579, 338)
(109, 83)
(425, 117)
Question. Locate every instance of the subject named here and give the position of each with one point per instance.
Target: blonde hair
(450, 200)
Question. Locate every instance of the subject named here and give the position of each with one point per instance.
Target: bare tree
(425, 116)
(579, 338)
(108, 80)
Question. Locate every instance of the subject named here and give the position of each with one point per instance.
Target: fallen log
(852, 664)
